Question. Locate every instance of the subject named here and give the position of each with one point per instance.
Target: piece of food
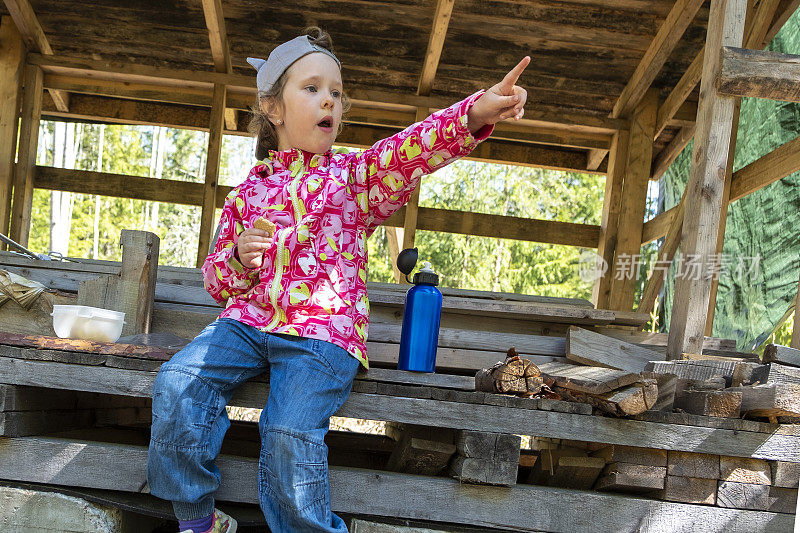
(266, 225)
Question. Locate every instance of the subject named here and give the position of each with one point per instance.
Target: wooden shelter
(615, 86)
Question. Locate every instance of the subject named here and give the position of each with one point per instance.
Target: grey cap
(282, 58)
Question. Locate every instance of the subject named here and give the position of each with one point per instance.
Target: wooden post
(26, 158)
(706, 181)
(12, 62)
(796, 327)
(412, 207)
(138, 279)
(632, 203)
(617, 158)
(394, 236)
(212, 173)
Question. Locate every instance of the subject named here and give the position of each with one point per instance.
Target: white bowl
(87, 323)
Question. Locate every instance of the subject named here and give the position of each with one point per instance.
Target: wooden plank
(775, 353)
(358, 491)
(634, 196)
(654, 340)
(208, 215)
(26, 157)
(773, 399)
(759, 74)
(609, 225)
(773, 444)
(743, 495)
(632, 455)
(590, 348)
(486, 458)
(632, 478)
(138, 279)
(574, 472)
(12, 59)
(420, 456)
(35, 39)
(704, 190)
(785, 474)
(595, 157)
(668, 35)
(781, 374)
(666, 384)
(657, 227)
(795, 344)
(588, 379)
(441, 19)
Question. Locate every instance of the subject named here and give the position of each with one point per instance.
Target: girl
(296, 301)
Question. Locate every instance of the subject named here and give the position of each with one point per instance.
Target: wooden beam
(756, 26)
(162, 83)
(429, 219)
(504, 227)
(706, 181)
(441, 19)
(668, 155)
(657, 227)
(759, 74)
(208, 215)
(412, 206)
(796, 327)
(664, 259)
(668, 35)
(220, 51)
(767, 169)
(26, 158)
(394, 237)
(633, 200)
(723, 216)
(12, 61)
(594, 158)
(217, 35)
(607, 241)
(122, 467)
(35, 39)
(785, 9)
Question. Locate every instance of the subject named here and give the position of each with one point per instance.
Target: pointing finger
(511, 78)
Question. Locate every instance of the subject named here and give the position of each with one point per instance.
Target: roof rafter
(670, 32)
(441, 19)
(218, 39)
(32, 33)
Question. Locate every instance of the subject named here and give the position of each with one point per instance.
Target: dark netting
(762, 230)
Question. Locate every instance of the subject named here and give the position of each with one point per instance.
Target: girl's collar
(286, 158)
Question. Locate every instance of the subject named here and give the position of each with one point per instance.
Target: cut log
(775, 353)
(515, 375)
(688, 490)
(666, 390)
(420, 456)
(576, 472)
(785, 474)
(594, 349)
(725, 404)
(773, 399)
(744, 470)
(693, 465)
(628, 477)
(592, 380)
(631, 400)
(743, 495)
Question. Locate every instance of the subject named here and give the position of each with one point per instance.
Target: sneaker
(222, 524)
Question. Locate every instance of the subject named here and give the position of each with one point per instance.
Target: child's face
(311, 107)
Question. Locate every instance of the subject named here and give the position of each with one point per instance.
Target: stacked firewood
(621, 378)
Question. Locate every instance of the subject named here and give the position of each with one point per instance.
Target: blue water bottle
(421, 316)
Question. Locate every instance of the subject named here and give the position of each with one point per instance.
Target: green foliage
(482, 263)
(463, 261)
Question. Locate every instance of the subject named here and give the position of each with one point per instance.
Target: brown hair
(260, 125)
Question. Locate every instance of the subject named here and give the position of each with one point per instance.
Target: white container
(87, 323)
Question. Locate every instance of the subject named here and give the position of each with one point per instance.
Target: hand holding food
(253, 242)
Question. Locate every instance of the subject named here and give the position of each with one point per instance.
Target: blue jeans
(309, 380)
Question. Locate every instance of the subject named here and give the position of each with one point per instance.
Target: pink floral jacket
(312, 282)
